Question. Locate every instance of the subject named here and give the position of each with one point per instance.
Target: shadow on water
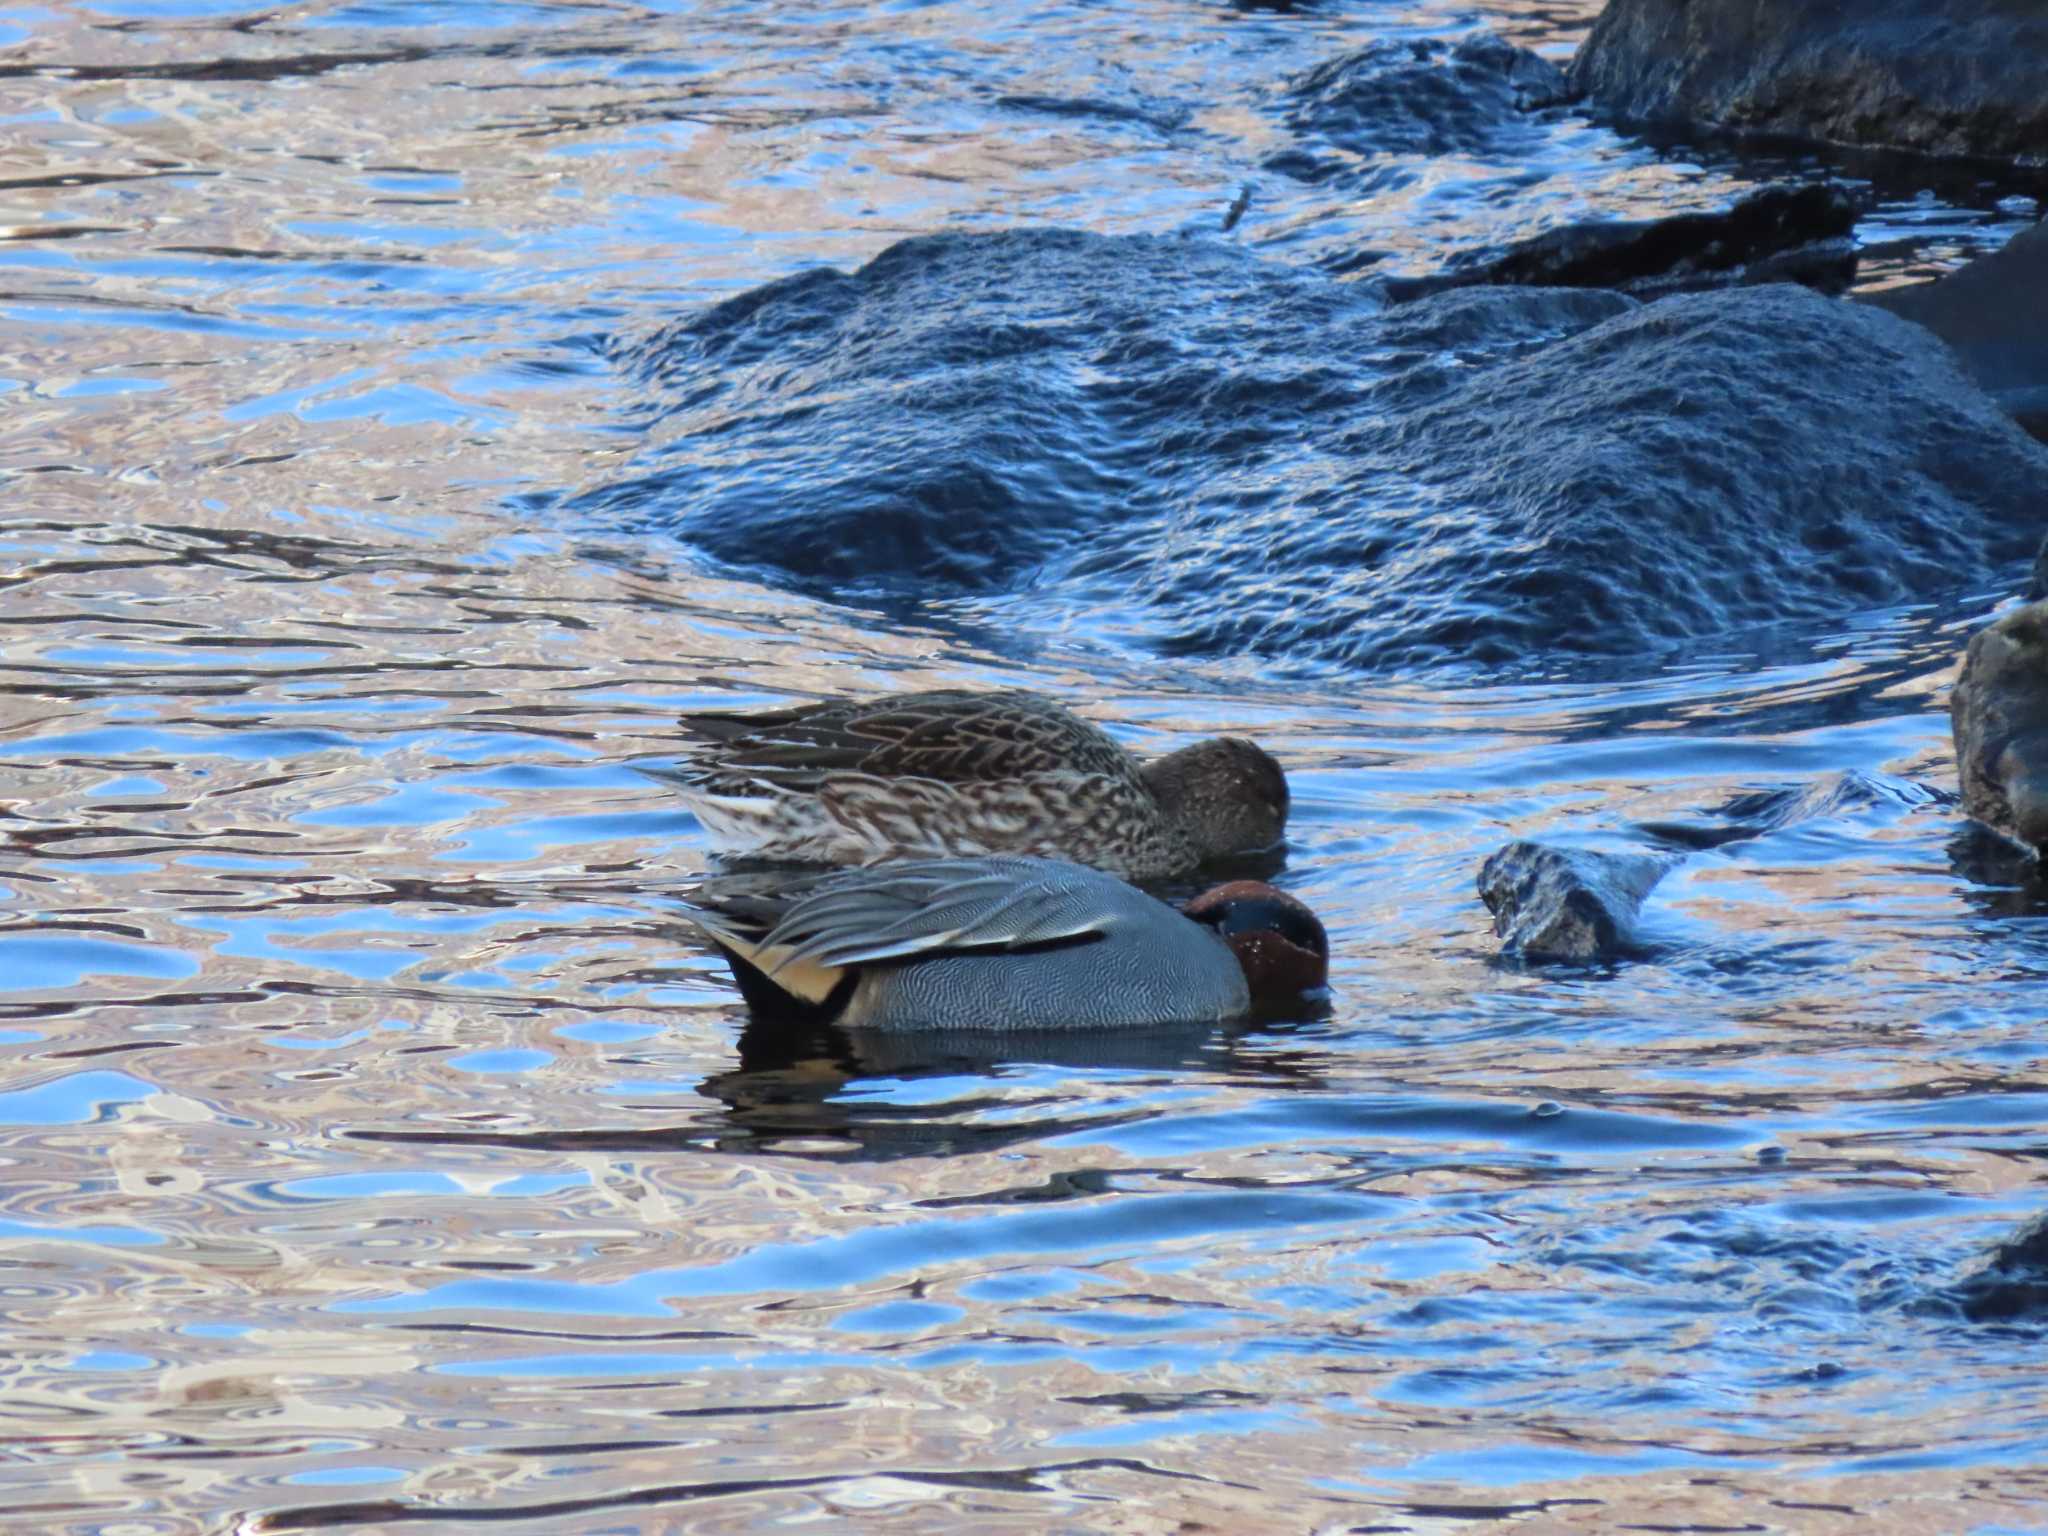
(2000, 879)
(798, 1092)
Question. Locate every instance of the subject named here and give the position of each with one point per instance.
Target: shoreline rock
(1961, 78)
(1802, 234)
(1998, 713)
(1991, 315)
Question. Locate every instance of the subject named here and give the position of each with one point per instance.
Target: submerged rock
(1940, 77)
(1781, 234)
(1758, 813)
(2011, 1284)
(1229, 456)
(1992, 315)
(1567, 903)
(1999, 714)
(1573, 904)
(1426, 96)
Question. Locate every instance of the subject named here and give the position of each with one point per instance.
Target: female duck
(955, 772)
(1008, 944)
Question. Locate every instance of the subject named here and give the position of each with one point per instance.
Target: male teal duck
(855, 781)
(1007, 944)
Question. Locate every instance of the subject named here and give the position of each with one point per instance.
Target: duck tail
(769, 979)
(796, 994)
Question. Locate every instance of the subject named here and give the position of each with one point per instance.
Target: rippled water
(376, 1149)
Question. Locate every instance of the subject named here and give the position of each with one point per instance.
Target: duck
(1006, 943)
(955, 772)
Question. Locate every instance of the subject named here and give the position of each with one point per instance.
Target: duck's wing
(922, 907)
(950, 736)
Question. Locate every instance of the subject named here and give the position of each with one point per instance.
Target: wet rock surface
(1782, 234)
(1959, 77)
(1428, 96)
(1249, 458)
(1759, 813)
(2011, 1284)
(1993, 315)
(1579, 904)
(1999, 715)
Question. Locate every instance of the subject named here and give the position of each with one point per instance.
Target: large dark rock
(1421, 97)
(1214, 454)
(1781, 234)
(1567, 903)
(1994, 314)
(1999, 714)
(1940, 77)
(1719, 460)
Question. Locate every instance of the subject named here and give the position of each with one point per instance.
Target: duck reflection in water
(791, 1080)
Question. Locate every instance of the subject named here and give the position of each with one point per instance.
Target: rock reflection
(2003, 880)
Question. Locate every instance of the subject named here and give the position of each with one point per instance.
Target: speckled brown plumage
(951, 735)
(965, 773)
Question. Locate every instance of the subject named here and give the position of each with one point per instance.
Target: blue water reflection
(866, 1257)
(35, 962)
(115, 1237)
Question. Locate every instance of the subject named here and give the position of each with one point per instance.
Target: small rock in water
(1758, 813)
(1773, 810)
(1566, 903)
(1939, 77)
(1999, 714)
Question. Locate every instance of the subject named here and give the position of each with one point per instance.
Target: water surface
(379, 1149)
